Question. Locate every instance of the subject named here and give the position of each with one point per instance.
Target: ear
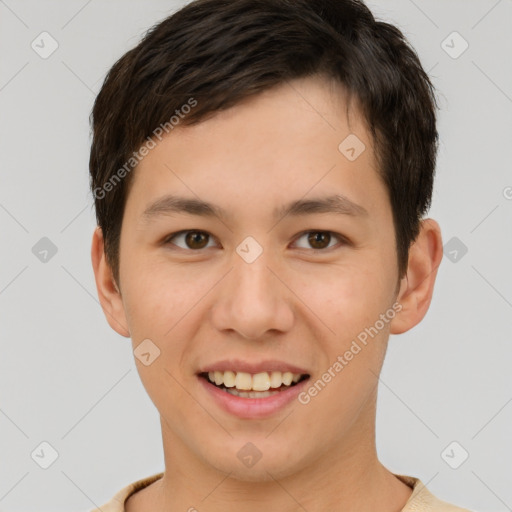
(108, 293)
(417, 286)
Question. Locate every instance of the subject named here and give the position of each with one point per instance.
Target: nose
(253, 299)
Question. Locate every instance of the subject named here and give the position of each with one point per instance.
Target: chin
(256, 461)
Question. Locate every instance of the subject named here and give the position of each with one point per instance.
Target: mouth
(253, 386)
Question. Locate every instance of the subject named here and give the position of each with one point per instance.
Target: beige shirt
(421, 500)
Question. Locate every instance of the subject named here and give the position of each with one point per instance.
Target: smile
(258, 385)
(252, 395)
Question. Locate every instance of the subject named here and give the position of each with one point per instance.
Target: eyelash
(341, 238)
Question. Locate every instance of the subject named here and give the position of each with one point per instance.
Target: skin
(201, 305)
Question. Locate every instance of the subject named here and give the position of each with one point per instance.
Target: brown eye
(195, 240)
(320, 240)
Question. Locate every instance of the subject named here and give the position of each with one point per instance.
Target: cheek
(349, 303)
(163, 305)
(346, 298)
(159, 308)
(157, 296)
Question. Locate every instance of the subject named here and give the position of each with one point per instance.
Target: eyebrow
(169, 204)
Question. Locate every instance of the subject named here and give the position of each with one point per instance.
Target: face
(248, 289)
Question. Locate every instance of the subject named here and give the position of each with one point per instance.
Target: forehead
(281, 145)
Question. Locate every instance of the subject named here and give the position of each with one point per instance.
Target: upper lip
(239, 365)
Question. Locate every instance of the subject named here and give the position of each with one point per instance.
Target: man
(260, 170)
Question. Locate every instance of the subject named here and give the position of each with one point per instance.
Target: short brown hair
(222, 51)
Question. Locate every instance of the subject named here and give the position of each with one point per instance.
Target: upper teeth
(257, 382)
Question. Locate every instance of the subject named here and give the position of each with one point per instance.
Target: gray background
(66, 378)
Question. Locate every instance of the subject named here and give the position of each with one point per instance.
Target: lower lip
(250, 408)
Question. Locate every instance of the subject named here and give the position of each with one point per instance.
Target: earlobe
(108, 292)
(417, 287)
